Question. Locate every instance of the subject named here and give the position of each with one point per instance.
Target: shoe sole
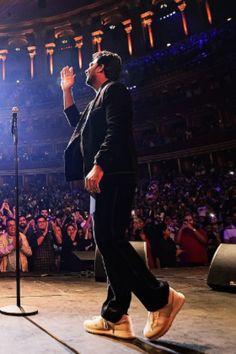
(178, 304)
(111, 334)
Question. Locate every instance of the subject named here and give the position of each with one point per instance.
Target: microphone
(14, 111)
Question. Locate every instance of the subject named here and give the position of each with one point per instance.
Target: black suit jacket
(103, 135)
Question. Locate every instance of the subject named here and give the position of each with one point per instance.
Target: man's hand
(93, 179)
(67, 78)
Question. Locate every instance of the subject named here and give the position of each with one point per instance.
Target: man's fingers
(92, 185)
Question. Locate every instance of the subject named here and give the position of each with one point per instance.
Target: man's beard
(89, 81)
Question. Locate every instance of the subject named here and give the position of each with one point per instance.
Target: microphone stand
(17, 310)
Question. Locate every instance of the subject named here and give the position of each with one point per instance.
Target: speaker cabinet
(222, 271)
(99, 271)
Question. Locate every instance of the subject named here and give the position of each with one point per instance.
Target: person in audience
(193, 242)
(229, 232)
(43, 246)
(70, 243)
(166, 250)
(213, 238)
(8, 249)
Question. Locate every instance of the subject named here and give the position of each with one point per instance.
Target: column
(32, 53)
(79, 44)
(208, 11)
(181, 6)
(97, 40)
(179, 166)
(50, 51)
(128, 29)
(146, 19)
(3, 57)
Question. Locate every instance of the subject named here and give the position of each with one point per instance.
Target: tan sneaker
(159, 322)
(121, 329)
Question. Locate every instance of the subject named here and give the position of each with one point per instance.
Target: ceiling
(23, 16)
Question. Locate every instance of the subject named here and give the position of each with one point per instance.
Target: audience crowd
(183, 219)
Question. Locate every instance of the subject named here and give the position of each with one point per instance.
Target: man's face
(70, 231)
(42, 224)
(22, 221)
(44, 213)
(91, 73)
(188, 220)
(11, 228)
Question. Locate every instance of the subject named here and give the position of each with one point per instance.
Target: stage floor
(206, 324)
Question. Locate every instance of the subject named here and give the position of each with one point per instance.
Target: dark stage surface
(206, 324)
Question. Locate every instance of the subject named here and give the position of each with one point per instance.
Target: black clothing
(106, 139)
(166, 252)
(68, 259)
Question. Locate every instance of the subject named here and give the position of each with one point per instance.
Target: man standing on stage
(101, 150)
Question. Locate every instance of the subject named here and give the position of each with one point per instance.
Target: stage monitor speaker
(99, 272)
(222, 271)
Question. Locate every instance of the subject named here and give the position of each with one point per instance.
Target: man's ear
(100, 68)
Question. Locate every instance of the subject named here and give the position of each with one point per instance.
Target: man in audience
(43, 246)
(193, 242)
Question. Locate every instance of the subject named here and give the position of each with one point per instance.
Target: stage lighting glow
(17, 81)
(229, 19)
(168, 44)
(17, 49)
(112, 27)
(231, 173)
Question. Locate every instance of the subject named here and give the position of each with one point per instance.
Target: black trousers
(126, 271)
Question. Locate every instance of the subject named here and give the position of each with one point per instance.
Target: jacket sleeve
(118, 110)
(6, 248)
(25, 247)
(72, 115)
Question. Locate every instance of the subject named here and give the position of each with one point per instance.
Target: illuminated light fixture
(112, 27)
(79, 44)
(17, 81)
(3, 58)
(32, 53)
(128, 29)
(229, 19)
(146, 18)
(97, 40)
(50, 51)
(208, 11)
(17, 49)
(64, 41)
(168, 44)
(181, 6)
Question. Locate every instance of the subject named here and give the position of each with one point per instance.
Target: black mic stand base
(14, 310)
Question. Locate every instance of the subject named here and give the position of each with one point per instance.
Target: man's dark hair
(112, 63)
(40, 217)
(8, 220)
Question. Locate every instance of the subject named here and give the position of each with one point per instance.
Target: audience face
(44, 212)
(70, 230)
(166, 233)
(22, 221)
(41, 224)
(11, 228)
(188, 220)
